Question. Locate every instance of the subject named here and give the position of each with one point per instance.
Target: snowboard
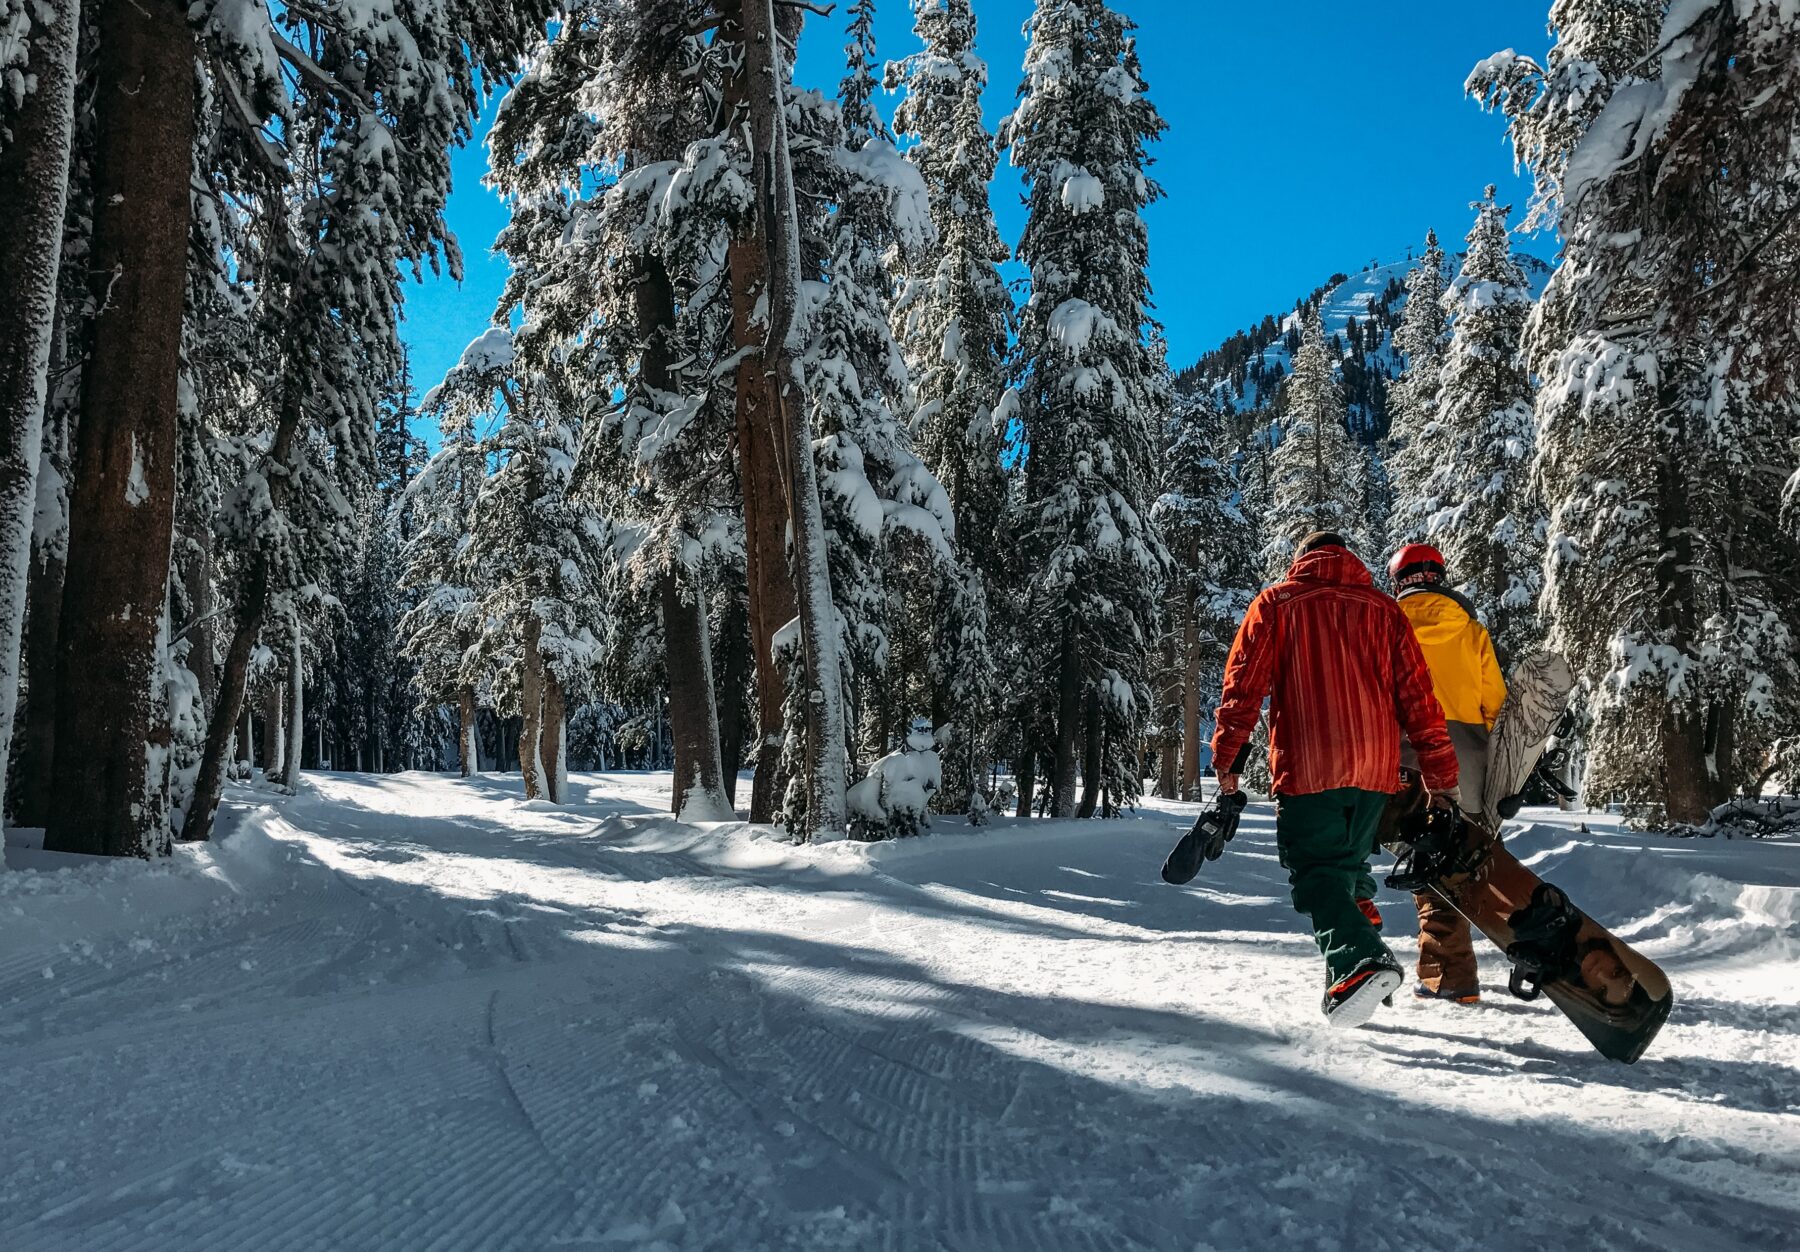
(1537, 696)
(1614, 995)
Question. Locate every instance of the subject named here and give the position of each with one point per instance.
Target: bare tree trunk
(554, 741)
(34, 183)
(1068, 725)
(699, 792)
(468, 751)
(1168, 743)
(1092, 756)
(1687, 784)
(122, 507)
(43, 618)
(824, 704)
(233, 677)
(772, 602)
(274, 733)
(246, 743)
(290, 776)
(531, 711)
(1687, 787)
(1190, 698)
(37, 749)
(1025, 772)
(201, 624)
(729, 694)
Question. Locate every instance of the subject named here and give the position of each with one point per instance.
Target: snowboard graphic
(1536, 697)
(1614, 995)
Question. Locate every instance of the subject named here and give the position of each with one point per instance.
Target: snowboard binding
(1206, 841)
(1544, 948)
(1436, 845)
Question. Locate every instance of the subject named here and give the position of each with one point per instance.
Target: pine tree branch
(819, 10)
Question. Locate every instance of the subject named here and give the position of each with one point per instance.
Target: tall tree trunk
(827, 816)
(201, 626)
(253, 611)
(37, 748)
(122, 507)
(531, 711)
(554, 741)
(771, 591)
(290, 775)
(274, 732)
(44, 593)
(1168, 744)
(468, 749)
(234, 675)
(1092, 755)
(34, 184)
(1721, 747)
(1068, 725)
(1190, 698)
(1025, 771)
(699, 791)
(246, 743)
(772, 602)
(734, 652)
(1687, 783)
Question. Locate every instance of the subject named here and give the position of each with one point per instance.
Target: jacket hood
(1330, 564)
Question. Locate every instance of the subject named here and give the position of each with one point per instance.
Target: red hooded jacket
(1346, 679)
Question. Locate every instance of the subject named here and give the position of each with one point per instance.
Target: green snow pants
(1325, 840)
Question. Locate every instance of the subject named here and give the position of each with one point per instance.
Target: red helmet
(1416, 563)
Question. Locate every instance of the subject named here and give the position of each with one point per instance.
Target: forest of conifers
(764, 467)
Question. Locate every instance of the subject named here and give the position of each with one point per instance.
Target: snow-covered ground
(414, 1012)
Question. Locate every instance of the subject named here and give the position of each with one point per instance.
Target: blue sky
(1305, 137)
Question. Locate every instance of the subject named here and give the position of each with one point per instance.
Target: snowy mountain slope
(1360, 312)
(414, 1012)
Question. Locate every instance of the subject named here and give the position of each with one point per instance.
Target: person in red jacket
(1344, 677)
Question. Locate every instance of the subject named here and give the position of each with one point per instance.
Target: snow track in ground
(413, 1012)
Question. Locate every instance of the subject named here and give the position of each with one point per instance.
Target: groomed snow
(412, 1012)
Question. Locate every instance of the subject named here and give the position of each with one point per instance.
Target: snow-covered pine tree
(1414, 456)
(1216, 567)
(1662, 141)
(1487, 523)
(751, 163)
(954, 321)
(535, 554)
(339, 123)
(888, 523)
(623, 280)
(1093, 391)
(442, 626)
(1316, 474)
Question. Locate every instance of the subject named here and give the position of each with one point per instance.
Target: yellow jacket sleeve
(1493, 685)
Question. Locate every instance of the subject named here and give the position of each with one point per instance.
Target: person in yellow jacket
(1465, 677)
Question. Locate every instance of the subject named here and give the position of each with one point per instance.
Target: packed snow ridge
(414, 1012)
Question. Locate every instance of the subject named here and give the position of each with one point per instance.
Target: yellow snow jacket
(1465, 674)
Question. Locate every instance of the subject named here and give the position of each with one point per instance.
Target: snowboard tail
(1617, 997)
(1537, 695)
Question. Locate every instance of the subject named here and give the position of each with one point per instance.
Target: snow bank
(62, 902)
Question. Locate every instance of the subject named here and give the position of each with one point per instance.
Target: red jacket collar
(1331, 564)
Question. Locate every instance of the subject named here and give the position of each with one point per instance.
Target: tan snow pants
(1446, 948)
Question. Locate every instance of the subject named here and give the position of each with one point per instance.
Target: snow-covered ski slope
(415, 1012)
